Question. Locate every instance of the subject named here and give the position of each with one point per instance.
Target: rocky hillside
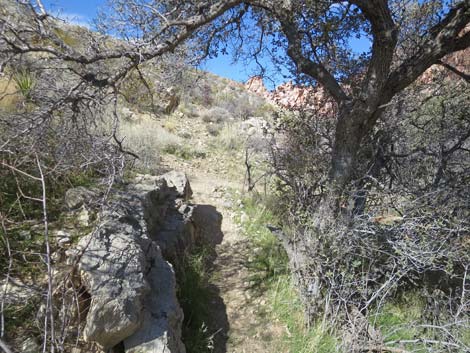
(122, 254)
(143, 215)
(295, 97)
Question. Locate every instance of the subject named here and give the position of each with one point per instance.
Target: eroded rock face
(112, 268)
(179, 181)
(124, 267)
(160, 329)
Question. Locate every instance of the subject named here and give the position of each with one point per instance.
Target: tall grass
(229, 138)
(149, 140)
(269, 265)
(194, 295)
(299, 336)
(25, 82)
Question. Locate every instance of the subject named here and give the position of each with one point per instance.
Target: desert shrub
(404, 231)
(189, 110)
(148, 140)
(229, 138)
(25, 81)
(201, 93)
(214, 129)
(243, 104)
(170, 124)
(216, 115)
(184, 151)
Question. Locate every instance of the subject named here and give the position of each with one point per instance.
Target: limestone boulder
(125, 265)
(160, 330)
(179, 181)
(112, 267)
(79, 196)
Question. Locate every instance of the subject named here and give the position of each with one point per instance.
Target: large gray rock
(112, 268)
(160, 331)
(179, 181)
(15, 291)
(124, 264)
(77, 197)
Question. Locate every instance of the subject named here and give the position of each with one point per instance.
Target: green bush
(25, 82)
(269, 259)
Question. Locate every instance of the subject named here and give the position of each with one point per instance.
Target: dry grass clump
(216, 115)
(229, 138)
(148, 139)
(189, 110)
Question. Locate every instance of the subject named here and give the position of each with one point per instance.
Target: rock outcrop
(295, 97)
(125, 269)
(290, 96)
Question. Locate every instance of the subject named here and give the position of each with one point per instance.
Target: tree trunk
(350, 131)
(356, 120)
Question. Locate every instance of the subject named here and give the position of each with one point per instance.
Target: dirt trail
(248, 331)
(239, 318)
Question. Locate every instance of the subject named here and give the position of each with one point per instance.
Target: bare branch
(456, 71)
(444, 39)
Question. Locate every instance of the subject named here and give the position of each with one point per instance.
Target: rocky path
(239, 319)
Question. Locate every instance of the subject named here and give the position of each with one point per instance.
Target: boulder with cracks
(125, 264)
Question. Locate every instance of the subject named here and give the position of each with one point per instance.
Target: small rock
(57, 256)
(228, 204)
(29, 345)
(185, 134)
(180, 182)
(63, 238)
(83, 217)
(77, 197)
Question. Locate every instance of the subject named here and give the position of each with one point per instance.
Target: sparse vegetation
(229, 138)
(270, 274)
(25, 82)
(269, 261)
(69, 37)
(195, 296)
(216, 115)
(372, 180)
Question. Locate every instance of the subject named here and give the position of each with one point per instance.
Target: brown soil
(240, 320)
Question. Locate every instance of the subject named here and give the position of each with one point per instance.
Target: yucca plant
(25, 81)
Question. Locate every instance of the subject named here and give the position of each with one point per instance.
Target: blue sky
(83, 11)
